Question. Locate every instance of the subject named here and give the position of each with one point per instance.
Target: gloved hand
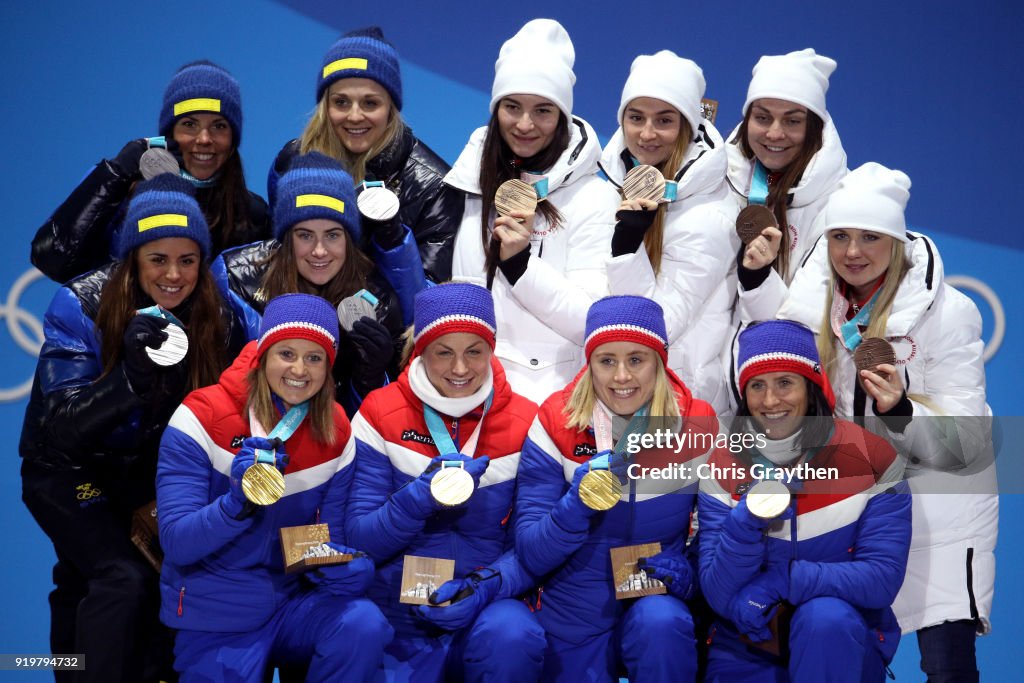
(415, 500)
(127, 160)
(346, 580)
(234, 502)
(570, 512)
(475, 467)
(388, 234)
(142, 331)
(374, 348)
(630, 228)
(673, 569)
(470, 596)
(743, 526)
(755, 603)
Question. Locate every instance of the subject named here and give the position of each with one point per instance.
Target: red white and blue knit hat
(781, 346)
(202, 87)
(299, 316)
(626, 318)
(453, 307)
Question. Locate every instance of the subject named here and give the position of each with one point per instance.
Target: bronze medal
(263, 484)
(768, 499)
(600, 490)
(752, 220)
(452, 486)
(515, 196)
(157, 160)
(872, 352)
(644, 182)
(172, 351)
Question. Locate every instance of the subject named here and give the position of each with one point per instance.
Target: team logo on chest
(413, 435)
(905, 348)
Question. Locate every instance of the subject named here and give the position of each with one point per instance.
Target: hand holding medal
(875, 359)
(516, 204)
(643, 189)
(768, 499)
(759, 232)
(262, 479)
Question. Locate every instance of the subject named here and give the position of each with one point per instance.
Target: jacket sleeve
(541, 541)
(697, 258)
(77, 237)
(561, 299)
(375, 523)
(80, 409)
(875, 573)
(436, 223)
(243, 312)
(726, 563)
(403, 269)
(192, 525)
(334, 507)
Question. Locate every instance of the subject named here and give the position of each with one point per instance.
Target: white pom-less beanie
(668, 77)
(800, 77)
(537, 60)
(873, 198)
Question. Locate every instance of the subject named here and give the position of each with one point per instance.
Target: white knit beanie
(800, 77)
(873, 198)
(538, 60)
(668, 77)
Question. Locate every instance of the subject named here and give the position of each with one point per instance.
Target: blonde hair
(654, 238)
(321, 406)
(319, 136)
(579, 410)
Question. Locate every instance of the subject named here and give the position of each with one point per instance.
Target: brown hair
(778, 194)
(282, 275)
(499, 164)
(227, 206)
(206, 356)
(321, 406)
(319, 136)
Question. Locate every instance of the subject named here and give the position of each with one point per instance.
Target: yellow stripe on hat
(348, 63)
(320, 200)
(163, 220)
(197, 104)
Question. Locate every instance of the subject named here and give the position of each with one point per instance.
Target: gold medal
(515, 196)
(453, 485)
(600, 490)
(768, 499)
(644, 182)
(752, 220)
(263, 483)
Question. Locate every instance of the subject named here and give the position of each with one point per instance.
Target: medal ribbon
(158, 312)
(539, 181)
(603, 433)
(850, 332)
(758, 185)
(283, 430)
(439, 432)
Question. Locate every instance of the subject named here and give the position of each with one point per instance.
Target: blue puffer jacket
(221, 574)
(849, 540)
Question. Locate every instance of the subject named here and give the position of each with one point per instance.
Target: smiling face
(168, 270)
(651, 128)
(527, 124)
(860, 257)
(205, 141)
(359, 110)
(320, 246)
(624, 374)
(296, 369)
(457, 364)
(776, 130)
(778, 402)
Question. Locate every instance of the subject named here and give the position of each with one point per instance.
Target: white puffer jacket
(541, 320)
(697, 282)
(936, 333)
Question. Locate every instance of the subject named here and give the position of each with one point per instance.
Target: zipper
(181, 600)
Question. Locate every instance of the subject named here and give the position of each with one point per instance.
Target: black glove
(142, 331)
(630, 230)
(373, 346)
(387, 234)
(127, 160)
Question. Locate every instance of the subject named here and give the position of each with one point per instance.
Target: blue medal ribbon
(439, 432)
(284, 428)
(758, 185)
(158, 312)
(851, 329)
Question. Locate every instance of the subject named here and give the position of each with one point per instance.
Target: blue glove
(345, 580)
(673, 569)
(415, 499)
(755, 603)
(234, 502)
(469, 596)
(743, 526)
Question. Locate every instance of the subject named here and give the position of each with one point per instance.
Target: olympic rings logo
(25, 328)
(87, 492)
(971, 284)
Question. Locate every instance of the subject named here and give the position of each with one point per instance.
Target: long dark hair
(778, 194)
(282, 275)
(499, 164)
(815, 432)
(226, 207)
(207, 353)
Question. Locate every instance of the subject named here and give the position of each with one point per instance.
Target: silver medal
(378, 203)
(174, 348)
(157, 160)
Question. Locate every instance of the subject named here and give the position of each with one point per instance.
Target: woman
(688, 240)
(550, 266)
(201, 121)
(837, 559)
(591, 636)
(358, 122)
(452, 404)
(99, 403)
(223, 584)
(314, 250)
(874, 278)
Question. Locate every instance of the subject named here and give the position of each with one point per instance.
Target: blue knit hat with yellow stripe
(362, 54)
(202, 87)
(164, 206)
(316, 186)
